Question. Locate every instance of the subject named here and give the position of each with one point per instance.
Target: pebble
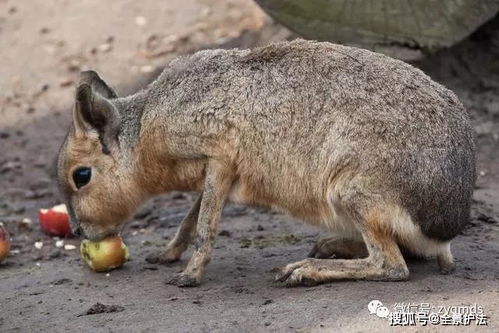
(140, 21)
(147, 69)
(65, 82)
(55, 254)
(106, 47)
(25, 225)
(9, 166)
(69, 247)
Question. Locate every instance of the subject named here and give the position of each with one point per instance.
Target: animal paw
(297, 274)
(184, 281)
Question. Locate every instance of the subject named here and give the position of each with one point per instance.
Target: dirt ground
(43, 46)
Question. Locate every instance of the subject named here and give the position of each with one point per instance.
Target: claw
(183, 280)
(283, 274)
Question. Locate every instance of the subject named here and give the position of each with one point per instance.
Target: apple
(104, 255)
(4, 242)
(55, 221)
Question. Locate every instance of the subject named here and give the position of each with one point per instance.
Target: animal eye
(81, 176)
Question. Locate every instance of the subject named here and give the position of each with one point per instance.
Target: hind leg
(445, 260)
(384, 262)
(339, 247)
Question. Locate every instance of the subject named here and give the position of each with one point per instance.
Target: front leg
(216, 187)
(384, 261)
(183, 238)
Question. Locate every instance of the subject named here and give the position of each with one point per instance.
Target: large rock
(406, 27)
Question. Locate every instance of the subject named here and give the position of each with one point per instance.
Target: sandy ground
(44, 44)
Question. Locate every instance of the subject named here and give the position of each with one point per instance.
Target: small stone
(38, 245)
(25, 225)
(140, 21)
(59, 243)
(205, 12)
(9, 166)
(102, 308)
(106, 47)
(55, 254)
(147, 69)
(65, 82)
(74, 64)
(69, 247)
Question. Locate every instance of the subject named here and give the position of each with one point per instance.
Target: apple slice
(4, 242)
(104, 255)
(55, 221)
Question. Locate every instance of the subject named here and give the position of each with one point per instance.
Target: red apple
(4, 242)
(55, 221)
(104, 255)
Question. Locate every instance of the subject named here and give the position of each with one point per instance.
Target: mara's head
(94, 170)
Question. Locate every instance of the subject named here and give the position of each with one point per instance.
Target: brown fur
(367, 147)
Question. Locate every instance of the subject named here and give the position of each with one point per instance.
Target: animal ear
(97, 84)
(95, 112)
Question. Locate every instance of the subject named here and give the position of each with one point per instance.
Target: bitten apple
(104, 255)
(4, 242)
(55, 221)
